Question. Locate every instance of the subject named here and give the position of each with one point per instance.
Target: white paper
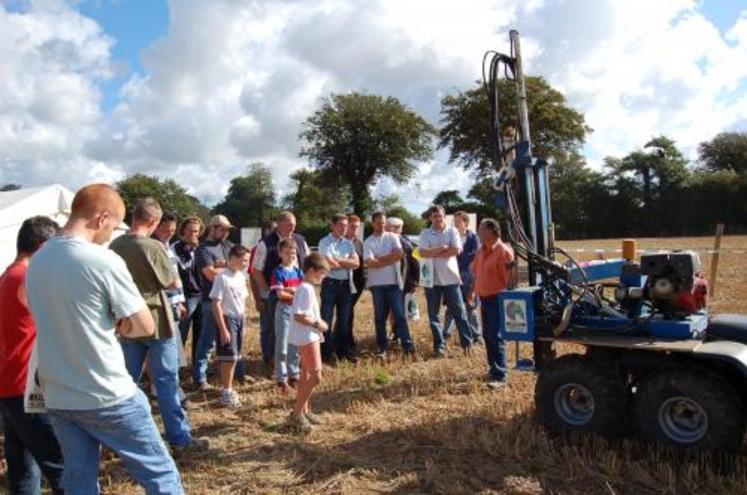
(33, 395)
(426, 272)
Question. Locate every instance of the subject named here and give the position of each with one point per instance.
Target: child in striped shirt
(283, 284)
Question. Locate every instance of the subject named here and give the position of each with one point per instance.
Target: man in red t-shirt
(30, 443)
(493, 273)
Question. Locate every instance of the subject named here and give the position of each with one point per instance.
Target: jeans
(128, 429)
(337, 299)
(267, 329)
(193, 319)
(495, 347)
(455, 305)
(286, 354)
(163, 362)
(386, 299)
(466, 288)
(30, 444)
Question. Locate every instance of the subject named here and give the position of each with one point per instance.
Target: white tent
(16, 206)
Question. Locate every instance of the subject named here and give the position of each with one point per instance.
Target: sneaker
(284, 388)
(292, 382)
(439, 353)
(299, 424)
(496, 384)
(230, 399)
(314, 419)
(381, 355)
(199, 444)
(468, 350)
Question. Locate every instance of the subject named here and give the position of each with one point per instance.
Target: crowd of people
(90, 321)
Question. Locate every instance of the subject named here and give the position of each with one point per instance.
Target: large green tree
(557, 130)
(250, 201)
(171, 196)
(726, 151)
(358, 139)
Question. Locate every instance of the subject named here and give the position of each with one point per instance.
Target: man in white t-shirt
(82, 297)
(382, 252)
(442, 244)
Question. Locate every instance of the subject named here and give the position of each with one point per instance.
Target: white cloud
(231, 82)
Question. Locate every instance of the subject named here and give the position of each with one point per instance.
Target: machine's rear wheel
(575, 394)
(690, 409)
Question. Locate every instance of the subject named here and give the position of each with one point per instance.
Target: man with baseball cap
(211, 257)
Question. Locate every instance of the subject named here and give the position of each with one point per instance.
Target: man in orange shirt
(492, 270)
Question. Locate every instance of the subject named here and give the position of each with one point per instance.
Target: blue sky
(134, 25)
(195, 90)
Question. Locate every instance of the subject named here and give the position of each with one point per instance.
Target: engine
(674, 284)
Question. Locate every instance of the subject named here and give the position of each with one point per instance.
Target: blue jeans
(163, 362)
(286, 354)
(30, 444)
(466, 289)
(386, 299)
(267, 329)
(495, 347)
(336, 298)
(129, 430)
(193, 320)
(455, 305)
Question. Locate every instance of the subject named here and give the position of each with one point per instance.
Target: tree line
(354, 140)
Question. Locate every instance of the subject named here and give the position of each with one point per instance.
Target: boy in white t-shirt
(229, 294)
(306, 333)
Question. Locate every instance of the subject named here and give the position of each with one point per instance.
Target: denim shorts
(230, 351)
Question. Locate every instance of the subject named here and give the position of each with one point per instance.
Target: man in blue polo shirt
(338, 288)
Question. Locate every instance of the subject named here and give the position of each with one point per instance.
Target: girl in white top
(306, 332)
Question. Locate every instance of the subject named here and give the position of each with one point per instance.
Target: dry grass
(433, 427)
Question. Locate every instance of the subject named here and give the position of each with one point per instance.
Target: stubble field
(433, 426)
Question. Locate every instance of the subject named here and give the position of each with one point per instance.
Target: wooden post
(714, 257)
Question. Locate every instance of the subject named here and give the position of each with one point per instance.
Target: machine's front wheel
(690, 409)
(575, 394)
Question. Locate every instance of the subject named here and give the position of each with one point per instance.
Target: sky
(195, 90)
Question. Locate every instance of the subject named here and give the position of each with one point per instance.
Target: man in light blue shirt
(338, 288)
(82, 297)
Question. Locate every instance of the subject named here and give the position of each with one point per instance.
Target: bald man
(82, 298)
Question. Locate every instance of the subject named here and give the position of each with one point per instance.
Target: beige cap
(220, 220)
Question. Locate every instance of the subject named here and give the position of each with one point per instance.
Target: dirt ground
(433, 426)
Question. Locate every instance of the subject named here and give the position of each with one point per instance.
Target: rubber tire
(718, 398)
(608, 391)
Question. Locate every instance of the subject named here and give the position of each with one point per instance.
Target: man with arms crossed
(82, 297)
(442, 244)
(336, 292)
(211, 258)
(382, 252)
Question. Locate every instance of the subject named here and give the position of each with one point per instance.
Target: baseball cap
(220, 220)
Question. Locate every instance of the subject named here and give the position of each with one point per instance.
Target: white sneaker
(229, 398)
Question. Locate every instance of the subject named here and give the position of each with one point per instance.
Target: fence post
(715, 256)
